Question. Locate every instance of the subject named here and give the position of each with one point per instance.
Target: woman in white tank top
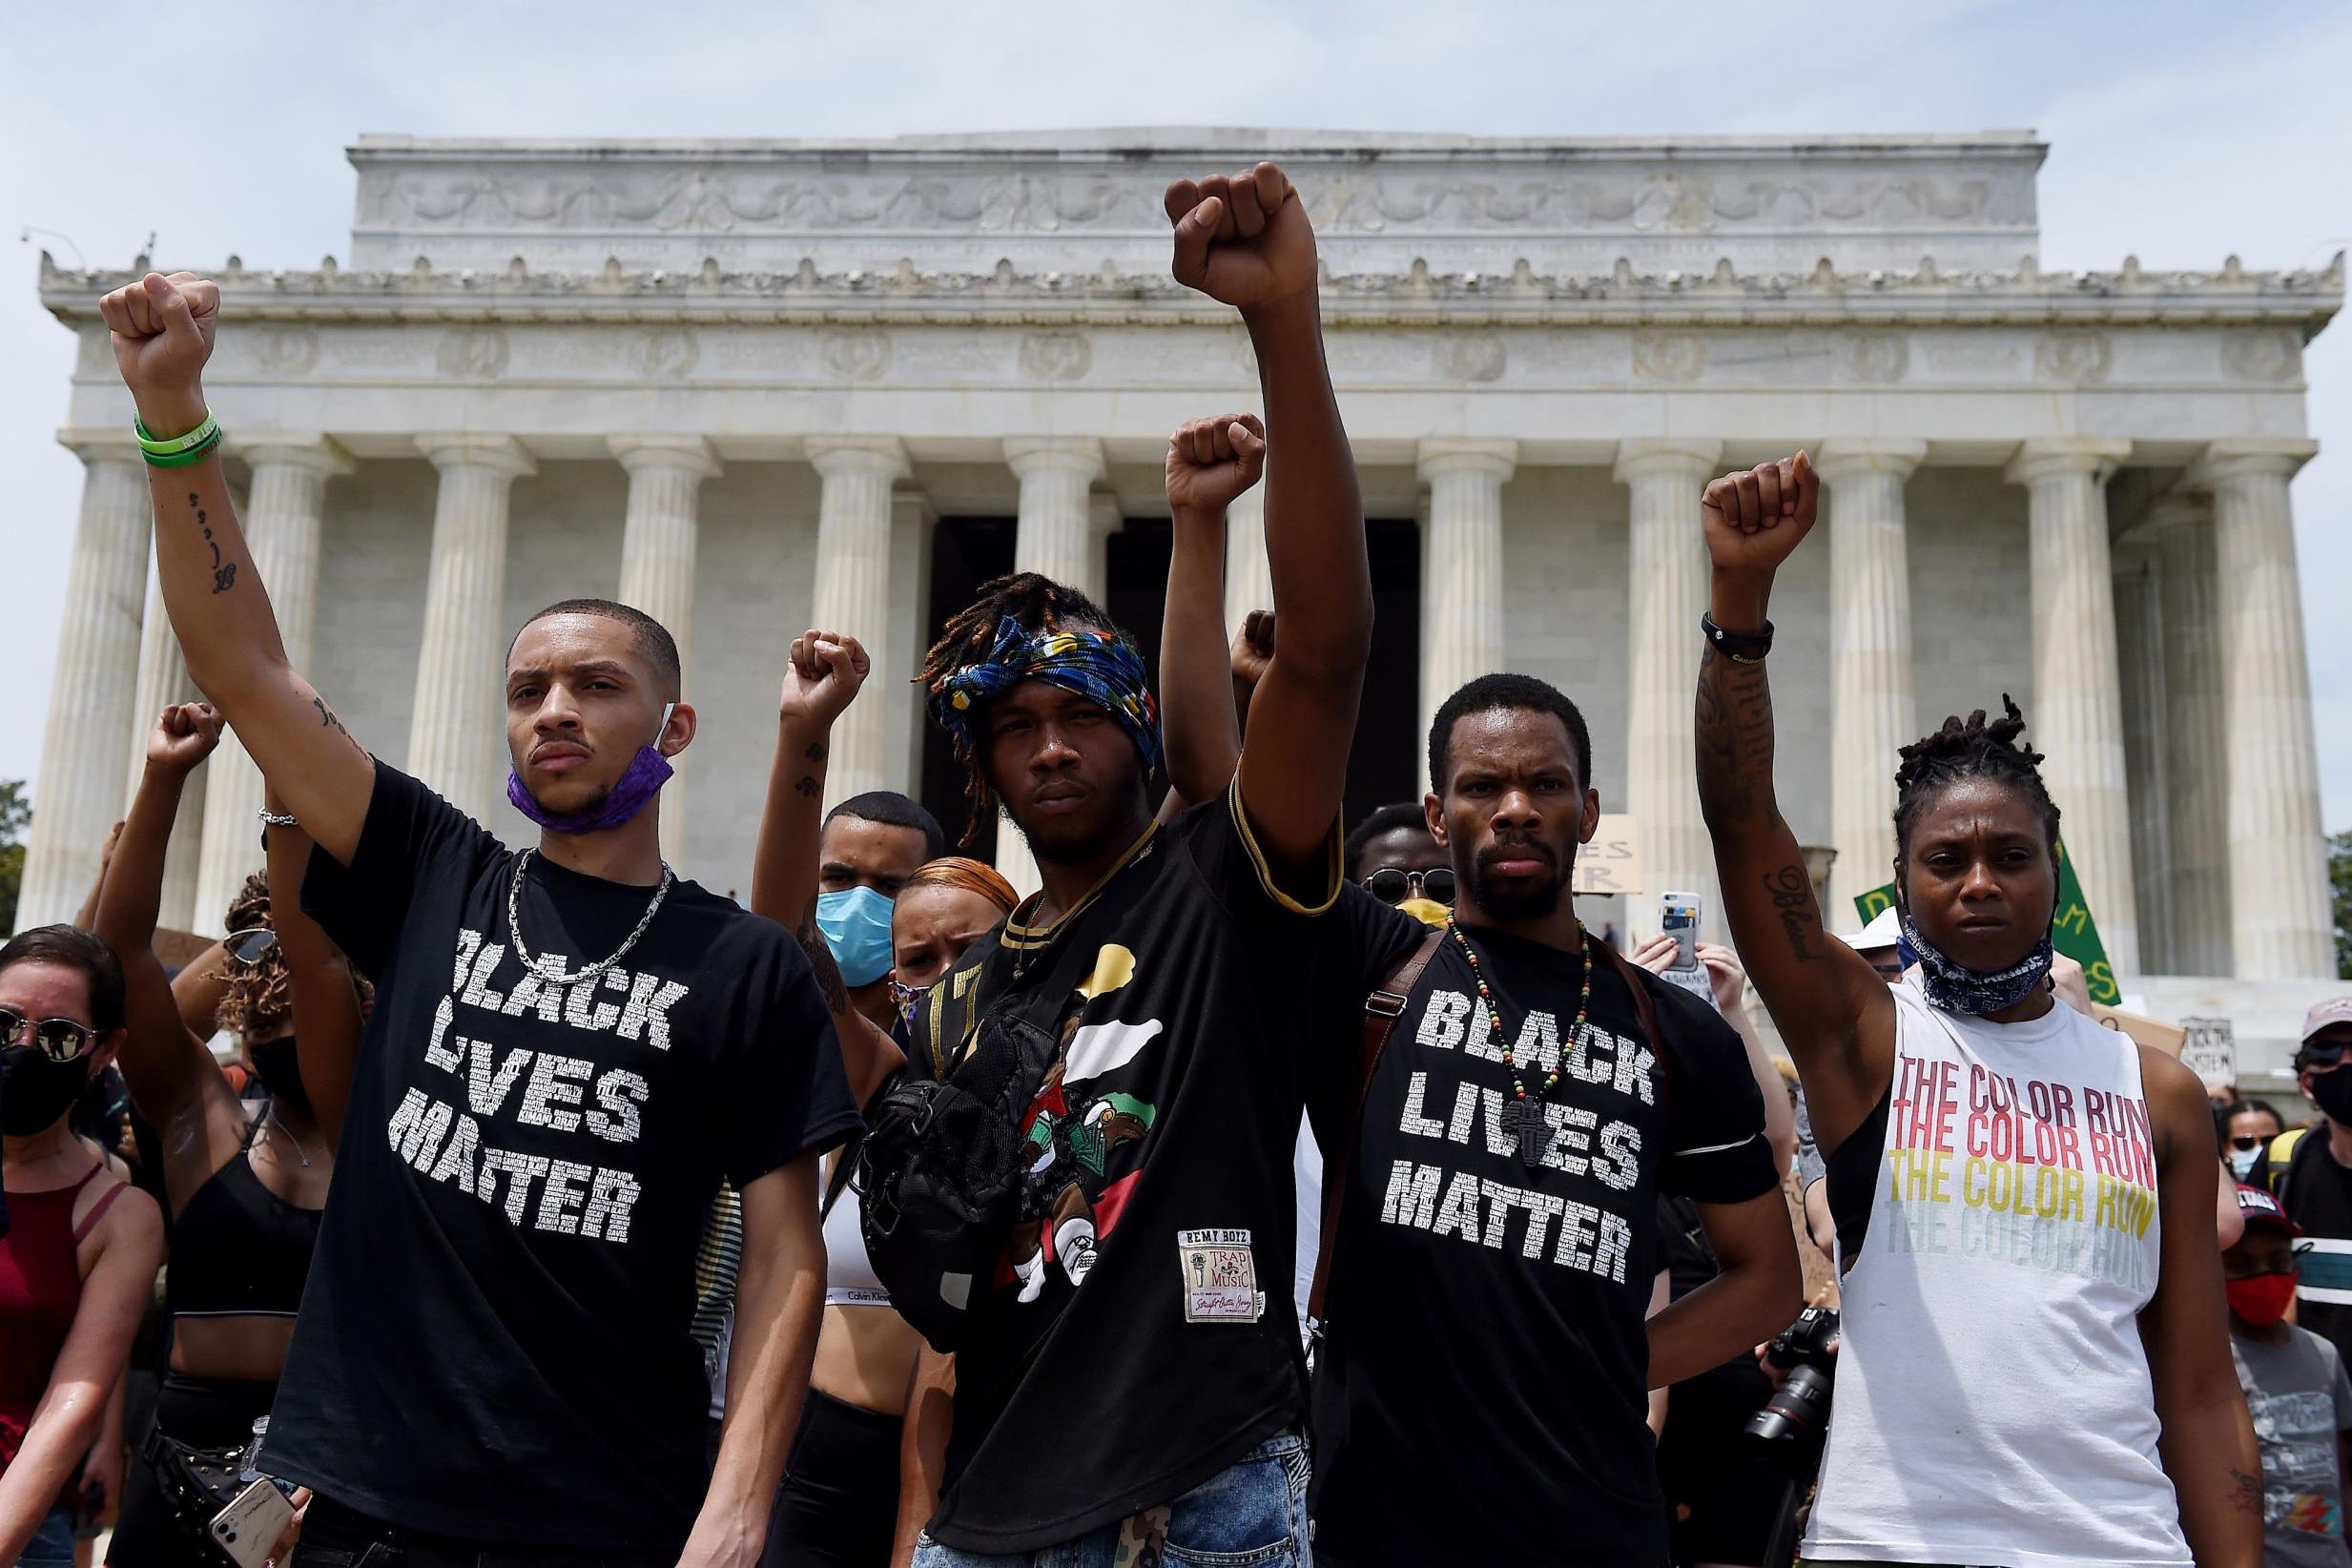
(2036, 1367)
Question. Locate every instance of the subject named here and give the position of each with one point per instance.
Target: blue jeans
(52, 1545)
(1249, 1515)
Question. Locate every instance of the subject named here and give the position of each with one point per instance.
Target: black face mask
(36, 1091)
(279, 1068)
(2333, 1093)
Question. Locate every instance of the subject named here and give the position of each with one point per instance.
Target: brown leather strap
(1381, 1011)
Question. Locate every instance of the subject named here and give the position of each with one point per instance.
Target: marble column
(1462, 565)
(163, 680)
(853, 595)
(1056, 534)
(1248, 576)
(457, 730)
(2195, 737)
(92, 732)
(281, 520)
(2280, 915)
(2140, 637)
(1669, 576)
(2076, 716)
(657, 563)
(906, 708)
(1871, 709)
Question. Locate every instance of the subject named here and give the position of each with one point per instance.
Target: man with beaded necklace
(1480, 1390)
(571, 1047)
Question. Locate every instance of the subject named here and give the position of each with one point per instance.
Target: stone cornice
(1110, 297)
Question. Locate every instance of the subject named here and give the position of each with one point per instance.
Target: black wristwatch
(1738, 647)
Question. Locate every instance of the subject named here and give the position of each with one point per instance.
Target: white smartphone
(1678, 916)
(248, 1529)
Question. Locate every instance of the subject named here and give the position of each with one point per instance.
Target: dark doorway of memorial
(966, 551)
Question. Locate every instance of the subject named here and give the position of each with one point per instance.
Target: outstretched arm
(172, 1080)
(823, 673)
(163, 335)
(327, 997)
(1245, 240)
(1209, 461)
(1832, 1009)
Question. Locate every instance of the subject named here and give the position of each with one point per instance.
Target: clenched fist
(1243, 240)
(1756, 520)
(1212, 460)
(163, 334)
(821, 679)
(184, 736)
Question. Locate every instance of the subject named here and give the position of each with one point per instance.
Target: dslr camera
(1790, 1430)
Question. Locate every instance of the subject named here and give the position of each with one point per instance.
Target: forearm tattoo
(2246, 1493)
(820, 959)
(1791, 890)
(328, 718)
(224, 573)
(1734, 738)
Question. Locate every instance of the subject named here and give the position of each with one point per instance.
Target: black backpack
(940, 1175)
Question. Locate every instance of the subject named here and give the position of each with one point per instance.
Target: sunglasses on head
(1393, 885)
(59, 1039)
(250, 946)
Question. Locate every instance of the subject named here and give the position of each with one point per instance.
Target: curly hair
(1971, 747)
(1038, 604)
(257, 994)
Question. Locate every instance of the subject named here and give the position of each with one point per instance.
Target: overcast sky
(2178, 133)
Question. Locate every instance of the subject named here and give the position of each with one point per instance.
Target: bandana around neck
(643, 779)
(1956, 988)
(1097, 664)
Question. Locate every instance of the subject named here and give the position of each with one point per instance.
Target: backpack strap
(1381, 1011)
(1645, 1009)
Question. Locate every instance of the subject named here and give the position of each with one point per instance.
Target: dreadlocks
(1037, 602)
(260, 993)
(1974, 749)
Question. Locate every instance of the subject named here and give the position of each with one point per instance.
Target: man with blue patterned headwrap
(1129, 1381)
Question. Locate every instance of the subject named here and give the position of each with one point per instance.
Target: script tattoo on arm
(1792, 898)
(1735, 739)
(224, 573)
(326, 717)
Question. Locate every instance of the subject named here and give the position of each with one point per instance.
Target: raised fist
(1244, 238)
(1212, 460)
(821, 679)
(1251, 654)
(163, 334)
(184, 736)
(1756, 520)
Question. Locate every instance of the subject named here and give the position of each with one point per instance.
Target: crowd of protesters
(1247, 1194)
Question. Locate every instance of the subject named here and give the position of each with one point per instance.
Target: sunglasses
(2252, 1141)
(250, 946)
(61, 1040)
(2324, 1053)
(1393, 885)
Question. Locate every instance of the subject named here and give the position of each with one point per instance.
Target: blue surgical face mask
(856, 921)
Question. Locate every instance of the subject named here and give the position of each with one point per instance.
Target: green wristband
(202, 435)
(193, 456)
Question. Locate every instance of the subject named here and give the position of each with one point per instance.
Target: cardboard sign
(2073, 932)
(178, 949)
(1611, 862)
(2155, 1033)
(2210, 1050)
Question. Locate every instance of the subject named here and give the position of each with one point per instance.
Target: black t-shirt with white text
(1481, 1389)
(1139, 1335)
(2316, 1194)
(494, 1342)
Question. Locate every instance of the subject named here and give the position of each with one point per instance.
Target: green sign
(2075, 933)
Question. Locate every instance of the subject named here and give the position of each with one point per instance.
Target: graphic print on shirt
(455, 1140)
(2297, 1435)
(1083, 1138)
(2037, 1173)
(1446, 1108)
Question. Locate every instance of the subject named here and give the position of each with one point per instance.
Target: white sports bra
(849, 1278)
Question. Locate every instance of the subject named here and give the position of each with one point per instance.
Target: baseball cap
(2323, 1014)
(2259, 1207)
(1885, 931)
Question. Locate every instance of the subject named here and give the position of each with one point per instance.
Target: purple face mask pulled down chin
(647, 772)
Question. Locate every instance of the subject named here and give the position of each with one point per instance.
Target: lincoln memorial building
(755, 386)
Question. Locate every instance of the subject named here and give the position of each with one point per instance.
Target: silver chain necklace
(556, 971)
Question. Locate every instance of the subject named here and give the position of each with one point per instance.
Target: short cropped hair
(1490, 693)
(894, 810)
(1387, 820)
(652, 638)
(70, 947)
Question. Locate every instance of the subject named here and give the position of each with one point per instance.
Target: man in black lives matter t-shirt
(1130, 1384)
(569, 1049)
(1481, 1392)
